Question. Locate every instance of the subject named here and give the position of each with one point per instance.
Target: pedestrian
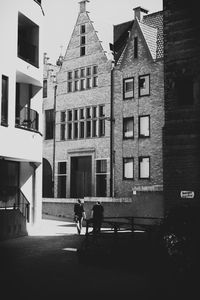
(97, 216)
(79, 215)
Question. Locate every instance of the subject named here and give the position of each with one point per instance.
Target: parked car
(180, 237)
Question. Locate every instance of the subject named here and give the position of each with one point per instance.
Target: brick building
(78, 155)
(49, 94)
(182, 102)
(138, 109)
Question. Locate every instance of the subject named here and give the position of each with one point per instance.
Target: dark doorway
(81, 177)
(47, 183)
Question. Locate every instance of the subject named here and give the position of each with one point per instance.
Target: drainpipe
(54, 139)
(111, 139)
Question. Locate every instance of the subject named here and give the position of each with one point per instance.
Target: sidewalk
(46, 265)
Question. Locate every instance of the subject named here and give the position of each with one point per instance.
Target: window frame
(45, 85)
(140, 158)
(131, 159)
(124, 88)
(49, 132)
(124, 120)
(142, 136)
(59, 175)
(139, 88)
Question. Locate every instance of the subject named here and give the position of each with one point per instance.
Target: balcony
(27, 118)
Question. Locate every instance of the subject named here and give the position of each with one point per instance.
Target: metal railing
(126, 223)
(27, 118)
(13, 198)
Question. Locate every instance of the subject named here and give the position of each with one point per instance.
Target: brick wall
(182, 123)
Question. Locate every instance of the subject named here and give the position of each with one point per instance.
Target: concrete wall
(12, 224)
(139, 205)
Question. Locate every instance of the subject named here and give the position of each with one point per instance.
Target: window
(69, 86)
(76, 84)
(82, 29)
(82, 51)
(49, 125)
(128, 88)
(184, 90)
(82, 129)
(144, 167)
(95, 81)
(44, 88)
(128, 168)
(128, 128)
(4, 101)
(136, 47)
(144, 126)
(101, 178)
(144, 85)
(28, 40)
(82, 113)
(82, 88)
(94, 70)
(88, 71)
(69, 131)
(69, 115)
(83, 40)
(88, 83)
(69, 75)
(83, 72)
(75, 130)
(62, 125)
(76, 74)
(85, 122)
(61, 179)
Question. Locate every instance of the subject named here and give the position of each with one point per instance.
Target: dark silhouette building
(182, 102)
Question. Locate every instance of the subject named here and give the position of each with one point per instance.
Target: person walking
(79, 215)
(97, 216)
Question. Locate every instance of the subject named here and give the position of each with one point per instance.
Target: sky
(61, 15)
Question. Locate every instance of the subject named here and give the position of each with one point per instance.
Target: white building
(21, 79)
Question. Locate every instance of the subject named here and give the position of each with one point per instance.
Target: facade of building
(138, 109)
(182, 102)
(20, 114)
(78, 154)
(49, 101)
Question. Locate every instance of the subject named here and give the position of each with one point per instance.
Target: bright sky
(61, 15)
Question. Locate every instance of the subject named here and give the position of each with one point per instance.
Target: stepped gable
(93, 44)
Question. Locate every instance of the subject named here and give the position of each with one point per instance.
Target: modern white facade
(21, 79)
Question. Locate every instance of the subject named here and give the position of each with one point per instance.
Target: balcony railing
(27, 118)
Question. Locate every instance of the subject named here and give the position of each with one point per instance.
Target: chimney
(83, 6)
(138, 11)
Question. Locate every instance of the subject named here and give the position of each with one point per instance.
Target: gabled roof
(156, 20)
(151, 28)
(150, 36)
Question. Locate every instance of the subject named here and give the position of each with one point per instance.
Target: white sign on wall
(187, 194)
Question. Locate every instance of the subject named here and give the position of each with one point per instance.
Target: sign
(187, 194)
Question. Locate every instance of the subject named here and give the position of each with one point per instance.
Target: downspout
(111, 138)
(54, 139)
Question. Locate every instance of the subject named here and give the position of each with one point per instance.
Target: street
(46, 265)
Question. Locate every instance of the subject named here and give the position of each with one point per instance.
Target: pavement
(54, 262)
